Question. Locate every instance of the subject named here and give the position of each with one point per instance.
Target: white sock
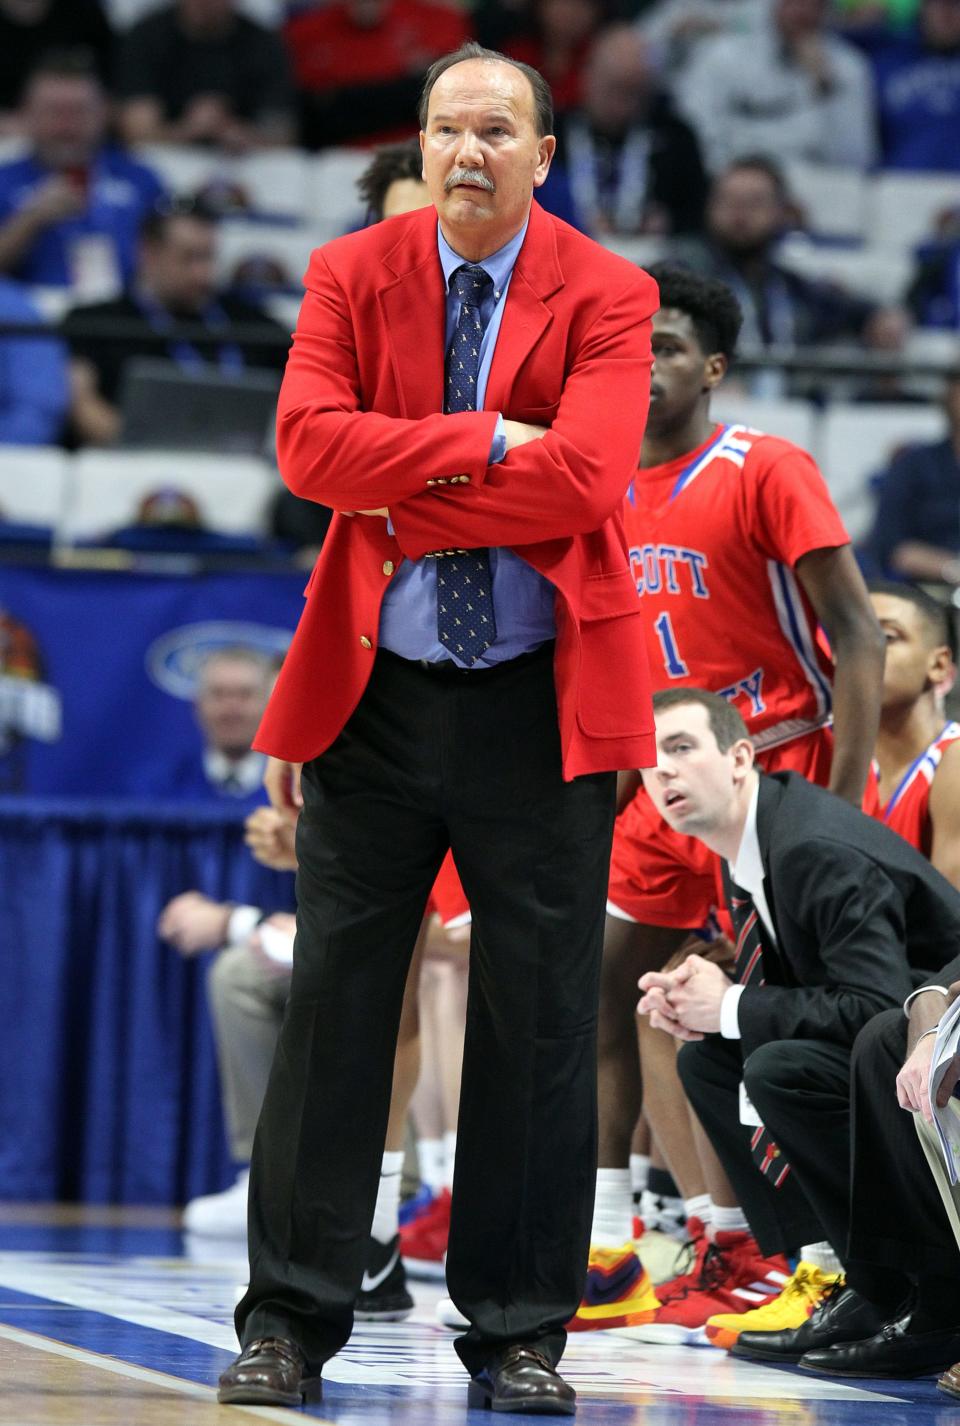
(431, 1162)
(386, 1222)
(700, 1207)
(639, 1169)
(822, 1256)
(612, 1209)
(649, 1210)
(729, 1220)
(449, 1155)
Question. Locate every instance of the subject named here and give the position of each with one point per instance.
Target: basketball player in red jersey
(738, 555)
(917, 756)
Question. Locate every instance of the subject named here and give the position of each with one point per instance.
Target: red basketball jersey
(714, 537)
(908, 808)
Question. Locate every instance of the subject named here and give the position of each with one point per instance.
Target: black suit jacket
(861, 917)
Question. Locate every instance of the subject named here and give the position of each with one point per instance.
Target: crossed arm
(552, 483)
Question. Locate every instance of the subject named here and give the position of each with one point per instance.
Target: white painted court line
(416, 1353)
(143, 1374)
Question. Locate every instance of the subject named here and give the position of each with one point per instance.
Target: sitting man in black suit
(837, 919)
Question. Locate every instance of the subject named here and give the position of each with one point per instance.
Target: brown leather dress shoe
(950, 1381)
(269, 1372)
(522, 1379)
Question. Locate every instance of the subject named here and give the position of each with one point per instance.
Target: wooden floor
(109, 1317)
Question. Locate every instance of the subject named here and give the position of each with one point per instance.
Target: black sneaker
(383, 1295)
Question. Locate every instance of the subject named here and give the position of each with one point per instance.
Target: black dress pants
(800, 1089)
(898, 1222)
(469, 760)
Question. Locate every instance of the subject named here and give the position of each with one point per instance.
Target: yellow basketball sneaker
(618, 1291)
(801, 1293)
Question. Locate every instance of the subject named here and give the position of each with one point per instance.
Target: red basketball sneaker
(730, 1270)
(423, 1242)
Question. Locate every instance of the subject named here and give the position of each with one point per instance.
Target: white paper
(748, 1115)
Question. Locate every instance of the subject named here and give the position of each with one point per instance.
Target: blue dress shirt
(522, 598)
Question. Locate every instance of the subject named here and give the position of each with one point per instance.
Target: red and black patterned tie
(748, 970)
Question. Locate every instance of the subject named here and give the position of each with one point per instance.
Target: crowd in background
(665, 135)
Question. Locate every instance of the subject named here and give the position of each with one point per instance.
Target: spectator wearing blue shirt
(918, 85)
(70, 210)
(934, 292)
(33, 376)
(916, 533)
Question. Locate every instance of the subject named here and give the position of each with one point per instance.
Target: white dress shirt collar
(246, 774)
(747, 869)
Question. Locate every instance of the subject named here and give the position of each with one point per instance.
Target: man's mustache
(471, 177)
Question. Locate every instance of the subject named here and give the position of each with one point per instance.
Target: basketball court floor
(109, 1318)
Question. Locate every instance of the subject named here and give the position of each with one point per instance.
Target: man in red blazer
(469, 396)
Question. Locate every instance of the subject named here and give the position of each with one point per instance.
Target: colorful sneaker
(415, 1206)
(732, 1276)
(423, 1242)
(618, 1293)
(383, 1295)
(801, 1295)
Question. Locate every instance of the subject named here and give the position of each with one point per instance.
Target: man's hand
(282, 781)
(691, 995)
(271, 838)
(657, 1002)
(55, 200)
(913, 1081)
(193, 923)
(384, 514)
(518, 433)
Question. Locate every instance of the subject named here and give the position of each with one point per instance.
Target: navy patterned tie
(465, 619)
(748, 970)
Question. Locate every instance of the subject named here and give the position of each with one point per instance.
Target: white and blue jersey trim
(792, 618)
(729, 442)
(923, 766)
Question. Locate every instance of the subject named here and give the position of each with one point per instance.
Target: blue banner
(98, 671)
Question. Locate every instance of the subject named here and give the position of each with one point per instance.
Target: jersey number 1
(672, 661)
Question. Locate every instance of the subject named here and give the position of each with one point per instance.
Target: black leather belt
(448, 668)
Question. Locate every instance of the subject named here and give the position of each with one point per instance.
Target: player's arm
(945, 815)
(835, 588)
(628, 785)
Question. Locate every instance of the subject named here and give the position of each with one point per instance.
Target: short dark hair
(726, 724)
(711, 305)
(936, 616)
(155, 225)
(75, 62)
(542, 97)
(391, 163)
(759, 163)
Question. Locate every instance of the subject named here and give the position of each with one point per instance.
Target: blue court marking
(620, 1383)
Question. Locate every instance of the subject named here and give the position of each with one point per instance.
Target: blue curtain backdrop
(108, 1080)
(98, 671)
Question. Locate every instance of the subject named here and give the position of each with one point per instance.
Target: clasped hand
(685, 1002)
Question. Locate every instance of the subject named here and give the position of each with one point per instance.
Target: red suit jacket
(360, 426)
